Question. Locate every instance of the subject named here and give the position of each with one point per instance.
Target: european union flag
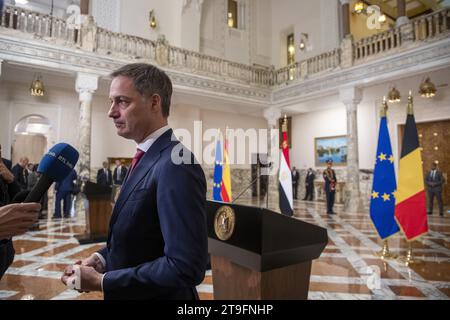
(382, 203)
(218, 171)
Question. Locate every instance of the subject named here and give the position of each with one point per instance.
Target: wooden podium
(98, 213)
(267, 256)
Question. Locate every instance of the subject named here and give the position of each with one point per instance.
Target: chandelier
(37, 87)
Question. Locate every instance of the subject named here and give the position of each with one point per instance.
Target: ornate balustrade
(104, 42)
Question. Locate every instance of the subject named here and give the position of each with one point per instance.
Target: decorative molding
(272, 115)
(413, 59)
(426, 57)
(52, 57)
(350, 96)
(86, 85)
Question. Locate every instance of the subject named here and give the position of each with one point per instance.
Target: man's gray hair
(148, 80)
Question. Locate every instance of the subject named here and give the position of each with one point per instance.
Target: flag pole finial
(284, 126)
(410, 104)
(384, 108)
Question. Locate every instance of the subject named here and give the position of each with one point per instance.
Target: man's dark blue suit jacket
(157, 244)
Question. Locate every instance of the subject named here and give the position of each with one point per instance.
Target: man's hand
(94, 263)
(90, 279)
(16, 219)
(5, 173)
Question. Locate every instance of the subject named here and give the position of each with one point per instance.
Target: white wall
(134, 17)
(248, 45)
(298, 16)
(183, 116)
(307, 127)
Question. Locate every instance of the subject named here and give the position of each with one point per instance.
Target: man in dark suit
(104, 175)
(120, 173)
(330, 186)
(15, 219)
(20, 173)
(157, 244)
(309, 184)
(294, 174)
(434, 181)
(64, 191)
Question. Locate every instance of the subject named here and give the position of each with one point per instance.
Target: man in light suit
(157, 243)
(120, 172)
(434, 181)
(104, 175)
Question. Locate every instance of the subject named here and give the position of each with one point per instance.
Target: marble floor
(342, 271)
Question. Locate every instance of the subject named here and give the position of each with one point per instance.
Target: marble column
(86, 85)
(1, 62)
(272, 115)
(345, 9)
(402, 18)
(351, 97)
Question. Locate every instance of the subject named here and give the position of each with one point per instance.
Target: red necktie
(137, 157)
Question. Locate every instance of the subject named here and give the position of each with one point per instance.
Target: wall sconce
(152, 19)
(303, 41)
(427, 89)
(382, 18)
(37, 87)
(230, 20)
(394, 95)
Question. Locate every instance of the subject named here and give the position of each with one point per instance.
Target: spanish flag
(225, 192)
(410, 199)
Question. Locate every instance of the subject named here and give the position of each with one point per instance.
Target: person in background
(15, 219)
(309, 184)
(2, 3)
(120, 173)
(330, 186)
(64, 191)
(20, 173)
(32, 175)
(104, 175)
(434, 181)
(295, 178)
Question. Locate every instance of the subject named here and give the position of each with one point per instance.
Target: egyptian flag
(285, 180)
(410, 200)
(225, 191)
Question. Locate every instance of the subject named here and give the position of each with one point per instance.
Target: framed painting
(334, 148)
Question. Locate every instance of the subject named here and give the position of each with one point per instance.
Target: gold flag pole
(409, 258)
(385, 253)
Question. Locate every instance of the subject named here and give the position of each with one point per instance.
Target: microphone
(20, 196)
(54, 167)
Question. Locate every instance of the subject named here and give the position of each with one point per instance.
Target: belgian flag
(410, 199)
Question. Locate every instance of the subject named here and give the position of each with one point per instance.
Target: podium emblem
(224, 223)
